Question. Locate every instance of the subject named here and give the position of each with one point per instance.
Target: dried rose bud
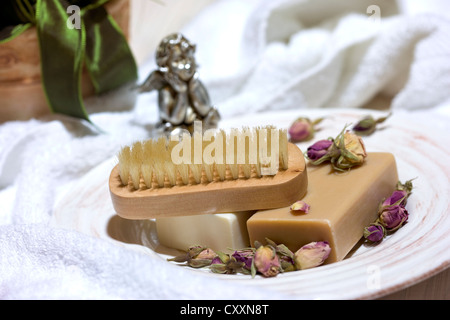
(199, 263)
(319, 150)
(393, 217)
(216, 260)
(266, 261)
(285, 255)
(398, 197)
(391, 213)
(301, 130)
(374, 233)
(367, 125)
(196, 257)
(355, 145)
(407, 186)
(352, 151)
(245, 256)
(311, 255)
(206, 254)
(193, 251)
(200, 257)
(300, 206)
(287, 264)
(344, 152)
(226, 264)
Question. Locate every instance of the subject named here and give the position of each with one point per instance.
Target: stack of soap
(222, 231)
(341, 205)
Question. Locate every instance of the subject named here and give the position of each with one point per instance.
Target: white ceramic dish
(415, 252)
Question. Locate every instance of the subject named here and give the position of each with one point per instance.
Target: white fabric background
(254, 56)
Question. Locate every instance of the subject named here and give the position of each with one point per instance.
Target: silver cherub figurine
(182, 98)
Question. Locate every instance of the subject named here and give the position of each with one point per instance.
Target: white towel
(317, 54)
(254, 56)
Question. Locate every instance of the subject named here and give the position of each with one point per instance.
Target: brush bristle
(283, 149)
(124, 157)
(147, 166)
(158, 160)
(136, 163)
(238, 154)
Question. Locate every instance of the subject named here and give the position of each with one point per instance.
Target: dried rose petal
(300, 206)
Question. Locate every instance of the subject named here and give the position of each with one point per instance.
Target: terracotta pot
(21, 93)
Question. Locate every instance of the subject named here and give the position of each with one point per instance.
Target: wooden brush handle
(267, 192)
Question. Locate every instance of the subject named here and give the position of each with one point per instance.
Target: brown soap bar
(341, 205)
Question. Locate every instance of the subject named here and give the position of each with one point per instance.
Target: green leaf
(271, 243)
(283, 250)
(253, 269)
(223, 256)
(257, 244)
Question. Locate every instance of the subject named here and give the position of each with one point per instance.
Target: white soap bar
(221, 231)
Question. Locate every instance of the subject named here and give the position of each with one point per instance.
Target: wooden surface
(266, 192)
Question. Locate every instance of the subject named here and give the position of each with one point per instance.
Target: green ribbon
(98, 44)
(108, 57)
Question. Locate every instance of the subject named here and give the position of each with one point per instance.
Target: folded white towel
(314, 54)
